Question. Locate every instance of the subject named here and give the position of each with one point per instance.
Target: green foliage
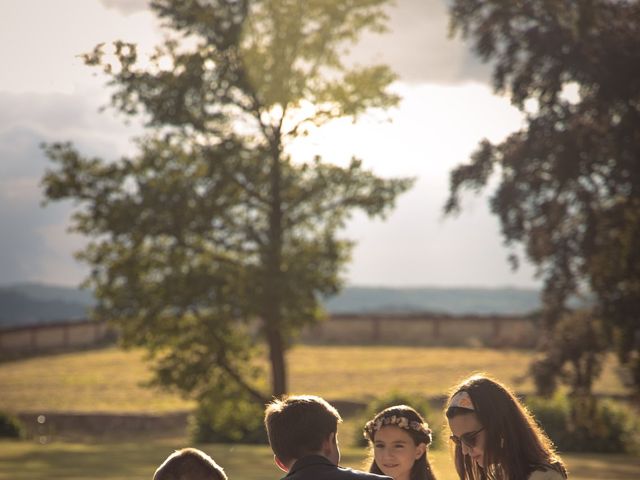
(212, 240)
(574, 355)
(228, 421)
(10, 426)
(568, 180)
(580, 424)
(418, 403)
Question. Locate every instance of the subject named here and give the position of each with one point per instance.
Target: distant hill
(31, 303)
(28, 304)
(39, 291)
(456, 301)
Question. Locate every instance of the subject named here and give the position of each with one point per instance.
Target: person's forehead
(461, 424)
(391, 433)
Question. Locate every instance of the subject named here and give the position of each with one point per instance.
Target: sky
(447, 107)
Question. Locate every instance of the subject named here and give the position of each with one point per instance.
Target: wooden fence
(426, 329)
(391, 329)
(46, 337)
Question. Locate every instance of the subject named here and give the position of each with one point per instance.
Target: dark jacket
(317, 467)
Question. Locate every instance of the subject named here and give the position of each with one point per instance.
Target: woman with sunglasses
(399, 439)
(496, 438)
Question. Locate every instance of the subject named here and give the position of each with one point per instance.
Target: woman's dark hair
(421, 469)
(515, 446)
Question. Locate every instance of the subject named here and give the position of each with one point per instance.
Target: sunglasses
(469, 438)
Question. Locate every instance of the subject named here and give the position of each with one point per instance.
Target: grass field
(110, 380)
(120, 461)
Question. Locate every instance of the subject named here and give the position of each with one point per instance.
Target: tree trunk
(278, 366)
(273, 281)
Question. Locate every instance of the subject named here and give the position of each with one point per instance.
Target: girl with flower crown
(495, 437)
(399, 438)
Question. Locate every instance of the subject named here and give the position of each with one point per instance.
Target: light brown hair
(515, 446)
(189, 464)
(298, 425)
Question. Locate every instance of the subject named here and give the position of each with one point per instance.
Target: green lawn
(110, 380)
(126, 461)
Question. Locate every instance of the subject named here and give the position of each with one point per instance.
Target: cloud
(435, 127)
(34, 244)
(417, 47)
(62, 117)
(23, 250)
(416, 246)
(126, 7)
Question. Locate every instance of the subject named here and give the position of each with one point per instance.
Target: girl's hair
(515, 446)
(411, 422)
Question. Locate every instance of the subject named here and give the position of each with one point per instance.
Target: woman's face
(469, 433)
(395, 452)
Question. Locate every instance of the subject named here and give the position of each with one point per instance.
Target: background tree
(569, 180)
(213, 238)
(574, 354)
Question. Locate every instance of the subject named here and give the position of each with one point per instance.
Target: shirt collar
(309, 461)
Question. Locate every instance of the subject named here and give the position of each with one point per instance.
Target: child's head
(302, 425)
(490, 426)
(399, 438)
(189, 464)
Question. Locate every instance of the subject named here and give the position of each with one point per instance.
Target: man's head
(302, 425)
(189, 464)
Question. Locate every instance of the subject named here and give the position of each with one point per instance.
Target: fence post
(497, 324)
(65, 335)
(376, 329)
(33, 339)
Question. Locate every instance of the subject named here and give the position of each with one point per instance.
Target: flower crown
(372, 426)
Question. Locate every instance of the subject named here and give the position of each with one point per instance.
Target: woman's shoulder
(547, 474)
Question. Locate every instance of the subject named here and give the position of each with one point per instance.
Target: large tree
(212, 238)
(569, 180)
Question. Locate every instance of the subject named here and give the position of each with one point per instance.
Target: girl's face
(468, 432)
(395, 452)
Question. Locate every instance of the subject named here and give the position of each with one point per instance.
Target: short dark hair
(189, 464)
(298, 425)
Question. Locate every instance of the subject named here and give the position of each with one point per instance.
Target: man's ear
(280, 465)
(328, 443)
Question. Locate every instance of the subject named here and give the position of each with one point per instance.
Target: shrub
(587, 424)
(10, 426)
(419, 403)
(228, 422)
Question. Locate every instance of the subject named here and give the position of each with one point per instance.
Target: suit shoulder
(350, 474)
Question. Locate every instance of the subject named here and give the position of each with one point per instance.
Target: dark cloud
(20, 156)
(23, 247)
(33, 243)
